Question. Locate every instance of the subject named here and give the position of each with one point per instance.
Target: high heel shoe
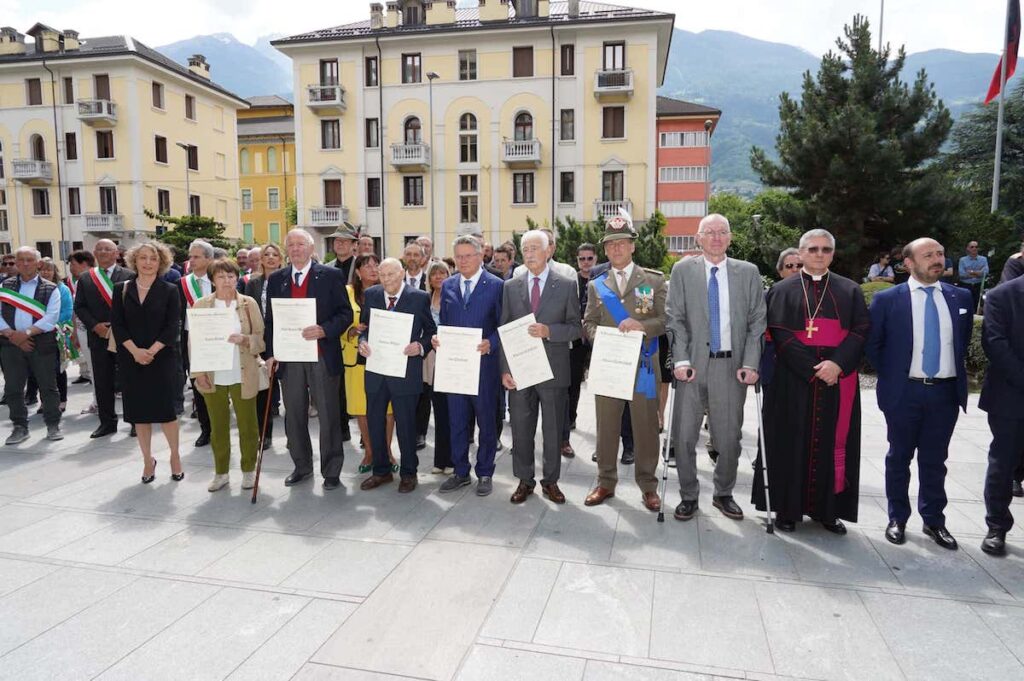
(178, 477)
(146, 479)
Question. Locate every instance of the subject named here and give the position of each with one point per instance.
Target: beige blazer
(252, 327)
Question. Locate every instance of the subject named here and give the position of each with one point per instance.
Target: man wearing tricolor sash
(192, 287)
(93, 300)
(630, 298)
(29, 308)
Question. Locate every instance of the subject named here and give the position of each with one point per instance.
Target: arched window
(467, 122)
(467, 138)
(524, 127)
(38, 147)
(413, 131)
(243, 161)
(271, 160)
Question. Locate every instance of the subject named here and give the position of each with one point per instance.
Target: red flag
(1012, 45)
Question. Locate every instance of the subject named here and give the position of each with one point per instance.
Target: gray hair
(550, 234)
(711, 218)
(434, 266)
(29, 249)
(418, 245)
(391, 262)
(468, 240)
(782, 257)
(205, 246)
(535, 235)
(424, 239)
(817, 234)
(298, 230)
(220, 252)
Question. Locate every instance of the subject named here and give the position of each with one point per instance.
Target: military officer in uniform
(630, 298)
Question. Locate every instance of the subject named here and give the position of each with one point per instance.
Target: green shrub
(871, 288)
(977, 362)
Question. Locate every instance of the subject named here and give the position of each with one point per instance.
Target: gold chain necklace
(811, 328)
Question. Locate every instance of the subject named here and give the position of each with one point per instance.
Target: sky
(811, 24)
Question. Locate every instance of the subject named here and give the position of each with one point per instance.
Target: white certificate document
(613, 362)
(389, 333)
(209, 349)
(457, 367)
(291, 316)
(527, 360)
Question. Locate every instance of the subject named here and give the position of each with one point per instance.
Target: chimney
(47, 40)
(197, 65)
(574, 9)
(391, 18)
(11, 42)
(71, 41)
(376, 16)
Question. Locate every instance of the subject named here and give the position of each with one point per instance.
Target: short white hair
(817, 234)
(712, 218)
(306, 235)
(468, 240)
(29, 249)
(534, 235)
(391, 262)
(205, 246)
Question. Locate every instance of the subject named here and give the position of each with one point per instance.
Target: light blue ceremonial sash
(645, 382)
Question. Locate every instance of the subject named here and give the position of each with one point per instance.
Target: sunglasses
(814, 250)
(585, 257)
(792, 265)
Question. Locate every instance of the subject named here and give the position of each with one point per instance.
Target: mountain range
(740, 75)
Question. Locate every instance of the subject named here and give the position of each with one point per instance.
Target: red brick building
(684, 156)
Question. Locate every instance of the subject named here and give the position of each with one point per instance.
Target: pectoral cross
(811, 328)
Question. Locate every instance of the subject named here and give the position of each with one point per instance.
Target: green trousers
(220, 427)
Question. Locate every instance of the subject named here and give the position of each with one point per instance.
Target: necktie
(714, 313)
(535, 295)
(298, 275)
(391, 302)
(412, 282)
(465, 291)
(932, 351)
(622, 281)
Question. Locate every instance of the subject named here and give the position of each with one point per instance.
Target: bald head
(392, 274)
(925, 259)
(105, 252)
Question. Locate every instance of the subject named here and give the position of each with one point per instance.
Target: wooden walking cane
(263, 432)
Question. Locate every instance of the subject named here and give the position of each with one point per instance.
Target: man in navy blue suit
(919, 336)
(472, 298)
(1002, 337)
(393, 294)
(300, 380)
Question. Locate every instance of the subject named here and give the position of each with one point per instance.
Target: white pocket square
(963, 310)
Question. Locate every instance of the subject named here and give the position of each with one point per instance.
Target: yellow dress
(355, 373)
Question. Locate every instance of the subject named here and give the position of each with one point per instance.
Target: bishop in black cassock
(819, 323)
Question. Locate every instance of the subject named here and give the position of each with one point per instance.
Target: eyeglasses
(792, 265)
(585, 258)
(815, 250)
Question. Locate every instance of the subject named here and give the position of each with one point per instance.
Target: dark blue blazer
(483, 311)
(1002, 337)
(417, 303)
(333, 311)
(890, 346)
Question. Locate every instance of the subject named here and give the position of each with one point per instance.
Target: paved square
(103, 577)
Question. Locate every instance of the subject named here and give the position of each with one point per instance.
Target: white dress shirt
(205, 289)
(23, 320)
(947, 366)
(304, 272)
(415, 280)
(620, 282)
(724, 319)
(530, 276)
(473, 281)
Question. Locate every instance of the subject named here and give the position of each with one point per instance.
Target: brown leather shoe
(523, 491)
(598, 495)
(407, 484)
(652, 502)
(567, 450)
(375, 481)
(553, 493)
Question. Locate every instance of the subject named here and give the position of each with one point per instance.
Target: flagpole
(999, 117)
(881, 24)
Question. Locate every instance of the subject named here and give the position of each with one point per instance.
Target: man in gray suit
(716, 312)
(553, 300)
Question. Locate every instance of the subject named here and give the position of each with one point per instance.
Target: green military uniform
(643, 296)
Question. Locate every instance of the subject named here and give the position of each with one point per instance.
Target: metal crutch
(764, 459)
(666, 445)
(263, 432)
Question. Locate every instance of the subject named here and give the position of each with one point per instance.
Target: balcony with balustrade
(613, 84)
(609, 209)
(98, 112)
(103, 224)
(414, 156)
(521, 153)
(326, 99)
(327, 217)
(31, 171)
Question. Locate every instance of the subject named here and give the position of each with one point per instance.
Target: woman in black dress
(144, 320)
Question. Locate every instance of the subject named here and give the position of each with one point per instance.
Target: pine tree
(188, 228)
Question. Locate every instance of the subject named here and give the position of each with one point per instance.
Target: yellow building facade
(431, 119)
(95, 131)
(266, 165)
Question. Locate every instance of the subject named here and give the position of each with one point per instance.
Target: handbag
(262, 372)
(111, 341)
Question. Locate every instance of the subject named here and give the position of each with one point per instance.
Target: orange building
(684, 157)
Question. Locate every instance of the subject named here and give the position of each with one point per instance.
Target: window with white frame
(469, 199)
(412, 190)
(567, 129)
(40, 202)
(683, 139)
(683, 174)
(467, 138)
(163, 201)
(246, 199)
(467, 64)
(330, 134)
(74, 201)
(681, 242)
(247, 235)
(682, 209)
(274, 198)
(522, 188)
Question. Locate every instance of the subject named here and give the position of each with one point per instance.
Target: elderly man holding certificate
(399, 328)
(627, 300)
(540, 315)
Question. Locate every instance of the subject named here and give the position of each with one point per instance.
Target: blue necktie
(297, 276)
(465, 293)
(714, 313)
(932, 351)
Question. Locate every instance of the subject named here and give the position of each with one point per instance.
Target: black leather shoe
(941, 536)
(80, 380)
(785, 525)
(713, 455)
(266, 444)
(421, 443)
(332, 483)
(835, 527)
(994, 543)
(728, 507)
(686, 510)
(896, 532)
(593, 457)
(296, 477)
(203, 440)
(627, 458)
(1018, 489)
(132, 433)
(104, 430)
